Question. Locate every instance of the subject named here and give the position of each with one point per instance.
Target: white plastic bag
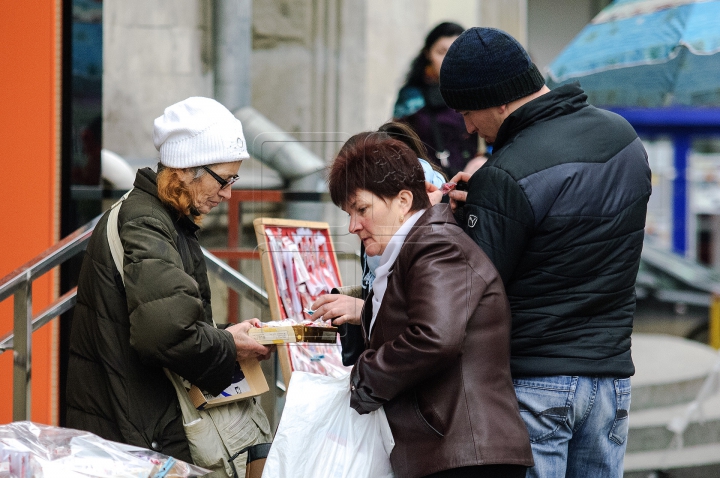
(320, 436)
(32, 450)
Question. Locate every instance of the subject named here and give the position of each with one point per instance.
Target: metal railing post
(22, 344)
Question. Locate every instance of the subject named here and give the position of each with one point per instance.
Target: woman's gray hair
(198, 172)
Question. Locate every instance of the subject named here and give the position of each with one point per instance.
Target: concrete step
(669, 374)
(648, 428)
(668, 370)
(700, 461)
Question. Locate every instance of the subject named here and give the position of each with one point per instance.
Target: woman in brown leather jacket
(436, 326)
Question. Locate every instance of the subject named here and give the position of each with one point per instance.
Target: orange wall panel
(29, 156)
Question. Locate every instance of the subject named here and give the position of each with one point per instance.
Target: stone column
(507, 15)
(154, 55)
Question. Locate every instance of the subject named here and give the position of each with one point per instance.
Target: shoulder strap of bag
(188, 410)
(113, 236)
(116, 248)
(212, 440)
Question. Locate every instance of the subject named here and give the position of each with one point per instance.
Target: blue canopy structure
(657, 63)
(647, 53)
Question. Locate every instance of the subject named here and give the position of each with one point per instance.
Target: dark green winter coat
(123, 336)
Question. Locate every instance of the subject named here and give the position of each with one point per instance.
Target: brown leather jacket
(439, 356)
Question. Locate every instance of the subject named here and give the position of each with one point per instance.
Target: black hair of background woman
(416, 75)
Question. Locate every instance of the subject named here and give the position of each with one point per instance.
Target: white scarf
(387, 260)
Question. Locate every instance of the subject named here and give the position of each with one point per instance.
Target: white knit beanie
(197, 132)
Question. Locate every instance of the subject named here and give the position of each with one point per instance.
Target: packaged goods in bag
(320, 436)
(29, 450)
(318, 358)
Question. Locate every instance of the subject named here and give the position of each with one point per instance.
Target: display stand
(299, 264)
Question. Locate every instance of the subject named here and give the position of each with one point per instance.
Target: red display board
(299, 265)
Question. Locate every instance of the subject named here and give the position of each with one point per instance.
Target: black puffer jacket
(560, 210)
(122, 337)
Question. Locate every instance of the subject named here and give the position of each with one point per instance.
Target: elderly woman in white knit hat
(128, 327)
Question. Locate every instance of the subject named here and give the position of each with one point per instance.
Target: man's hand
(458, 196)
(433, 193)
(246, 346)
(339, 308)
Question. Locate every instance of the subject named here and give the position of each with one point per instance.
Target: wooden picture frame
(270, 276)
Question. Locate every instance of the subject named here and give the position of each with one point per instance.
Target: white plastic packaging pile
(30, 450)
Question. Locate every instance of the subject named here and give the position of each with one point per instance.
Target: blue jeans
(578, 425)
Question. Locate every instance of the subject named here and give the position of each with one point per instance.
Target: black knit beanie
(486, 67)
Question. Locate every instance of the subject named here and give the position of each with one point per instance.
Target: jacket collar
(558, 102)
(438, 214)
(146, 181)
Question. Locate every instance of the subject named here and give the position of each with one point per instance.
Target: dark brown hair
(404, 132)
(378, 164)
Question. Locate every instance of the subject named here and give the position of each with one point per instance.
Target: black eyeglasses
(224, 183)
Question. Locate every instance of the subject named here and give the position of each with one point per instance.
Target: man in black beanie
(560, 209)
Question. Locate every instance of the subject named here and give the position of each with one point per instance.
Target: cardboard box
(294, 333)
(248, 381)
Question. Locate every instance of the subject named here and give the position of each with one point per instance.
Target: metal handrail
(235, 280)
(66, 302)
(45, 261)
(232, 278)
(692, 274)
(19, 284)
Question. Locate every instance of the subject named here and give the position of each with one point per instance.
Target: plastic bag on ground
(320, 436)
(30, 450)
